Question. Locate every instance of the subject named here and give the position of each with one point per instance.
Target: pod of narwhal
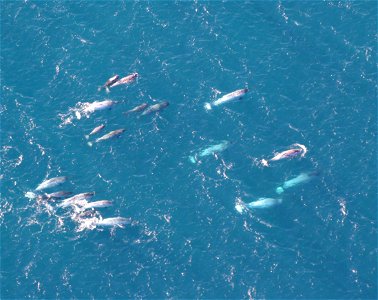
(89, 108)
(79, 203)
(296, 150)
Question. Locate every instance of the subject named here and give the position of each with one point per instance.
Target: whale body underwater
(301, 178)
(216, 148)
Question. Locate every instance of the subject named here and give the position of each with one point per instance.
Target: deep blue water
(311, 70)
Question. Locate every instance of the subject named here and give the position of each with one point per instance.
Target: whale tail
(87, 137)
(265, 163)
(107, 90)
(207, 106)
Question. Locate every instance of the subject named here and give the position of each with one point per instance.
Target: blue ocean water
(311, 71)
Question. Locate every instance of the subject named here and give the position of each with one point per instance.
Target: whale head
(279, 190)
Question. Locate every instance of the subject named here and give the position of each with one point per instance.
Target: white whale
(115, 221)
(238, 94)
(98, 221)
(88, 108)
(79, 199)
(52, 182)
(97, 204)
(258, 204)
(98, 105)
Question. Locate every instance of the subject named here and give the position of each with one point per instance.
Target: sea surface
(311, 71)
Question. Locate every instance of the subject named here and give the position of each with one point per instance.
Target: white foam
(239, 208)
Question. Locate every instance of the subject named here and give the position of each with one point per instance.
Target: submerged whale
(236, 95)
(95, 130)
(56, 195)
(49, 183)
(209, 151)
(301, 178)
(155, 108)
(136, 109)
(46, 196)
